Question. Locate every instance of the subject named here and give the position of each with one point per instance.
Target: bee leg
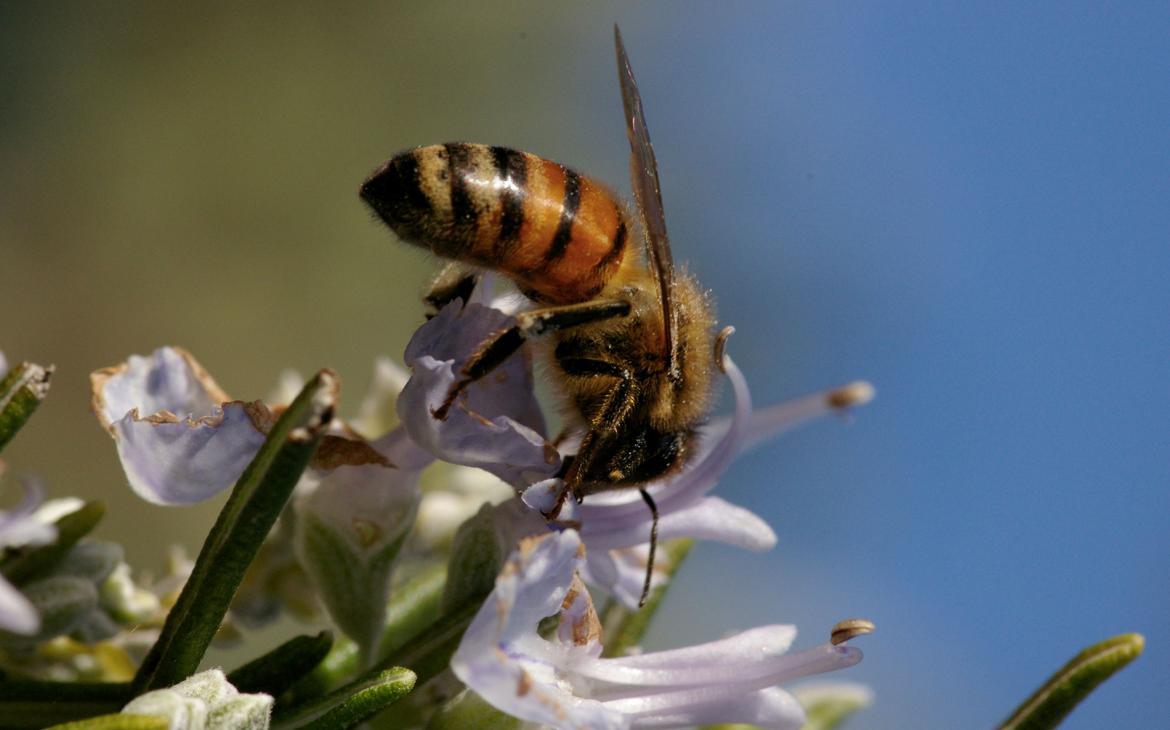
(653, 545)
(599, 441)
(454, 281)
(499, 346)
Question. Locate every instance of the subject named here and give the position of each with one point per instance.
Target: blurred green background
(964, 204)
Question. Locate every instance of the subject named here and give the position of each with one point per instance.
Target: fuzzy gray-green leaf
(351, 704)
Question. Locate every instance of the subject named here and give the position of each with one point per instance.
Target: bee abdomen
(558, 234)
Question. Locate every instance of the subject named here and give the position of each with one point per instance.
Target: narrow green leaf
(428, 653)
(240, 529)
(21, 391)
(623, 628)
(1049, 705)
(117, 722)
(35, 704)
(24, 566)
(280, 668)
(413, 606)
(351, 704)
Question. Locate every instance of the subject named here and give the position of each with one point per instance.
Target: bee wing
(644, 178)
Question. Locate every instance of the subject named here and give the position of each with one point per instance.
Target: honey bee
(631, 339)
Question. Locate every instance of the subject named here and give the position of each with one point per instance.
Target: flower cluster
(469, 489)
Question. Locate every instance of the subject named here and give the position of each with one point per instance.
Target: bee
(631, 339)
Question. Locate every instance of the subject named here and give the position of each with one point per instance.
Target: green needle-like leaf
(351, 704)
(23, 566)
(117, 722)
(240, 529)
(35, 704)
(280, 668)
(1073, 683)
(623, 628)
(21, 391)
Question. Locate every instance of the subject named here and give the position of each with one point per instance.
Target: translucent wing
(644, 177)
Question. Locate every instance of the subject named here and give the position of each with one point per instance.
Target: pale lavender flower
(564, 682)
(180, 438)
(3, 365)
(19, 527)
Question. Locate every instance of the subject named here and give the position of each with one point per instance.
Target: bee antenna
(653, 545)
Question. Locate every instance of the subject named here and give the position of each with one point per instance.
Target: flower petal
(23, 524)
(710, 518)
(189, 446)
(187, 462)
(771, 708)
(495, 424)
(502, 658)
(742, 656)
(17, 613)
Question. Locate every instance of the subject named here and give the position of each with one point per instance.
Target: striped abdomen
(559, 235)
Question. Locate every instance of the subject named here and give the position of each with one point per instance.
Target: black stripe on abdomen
(463, 214)
(564, 234)
(512, 168)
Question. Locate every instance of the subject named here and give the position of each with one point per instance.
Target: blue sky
(967, 206)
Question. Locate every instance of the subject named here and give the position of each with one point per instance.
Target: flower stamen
(850, 628)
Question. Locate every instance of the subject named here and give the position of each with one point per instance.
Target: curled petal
(495, 423)
(191, 444)
(3, 364)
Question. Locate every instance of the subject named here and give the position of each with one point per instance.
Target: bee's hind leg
(454, 281)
